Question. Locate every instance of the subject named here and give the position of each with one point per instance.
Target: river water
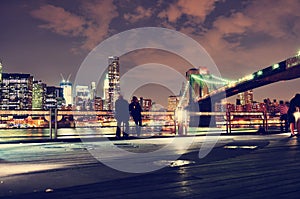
(7, 135)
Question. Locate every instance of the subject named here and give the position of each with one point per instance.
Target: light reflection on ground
(176, 163)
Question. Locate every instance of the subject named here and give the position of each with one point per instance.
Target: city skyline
(47, 38)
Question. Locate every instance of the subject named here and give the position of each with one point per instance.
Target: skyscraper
(114, 82)
(246, 97)
(16, 91)
(105, 92)
(82, 97)
(173, 101)
(66, 85)
(38, 95)
(93, 90)
(54, 97)
(0, 71)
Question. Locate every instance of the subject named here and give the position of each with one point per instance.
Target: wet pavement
(239, 166)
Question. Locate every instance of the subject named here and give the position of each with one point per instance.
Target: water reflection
(7, 135)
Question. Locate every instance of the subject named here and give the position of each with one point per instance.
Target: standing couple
(123, 110)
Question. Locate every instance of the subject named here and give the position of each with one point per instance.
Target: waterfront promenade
(239, 166)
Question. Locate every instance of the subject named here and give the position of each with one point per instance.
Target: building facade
(54, 97)
(38, 95)
(93, 90)
(82, 97)
(67, 92)
(113, 82)
(173, 101)
(16, 91)
(98, 104)
(146, 104)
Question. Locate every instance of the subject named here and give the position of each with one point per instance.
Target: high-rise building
(54, 97)
(98, 104)
(246, 97)
(105, 92)
(93, 90)
(146, 104)
(66, 85)
(113, 82)
(38, 95)
(173, 102)
(16, 91)
(82, 97)
(0, 71)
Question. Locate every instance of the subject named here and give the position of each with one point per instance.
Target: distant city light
(275, 66)
(259, 73)
(249, 77)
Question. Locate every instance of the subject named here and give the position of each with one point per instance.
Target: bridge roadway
(247, 166)
(260, 78)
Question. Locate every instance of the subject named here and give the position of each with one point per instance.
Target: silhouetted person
(294, 105)
(122, 116)
(283, 110)
(135, 111)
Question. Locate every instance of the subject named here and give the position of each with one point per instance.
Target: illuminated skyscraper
(113, 82)
(38, 95)
(246, 97)
(54, 97)
(98, 104)
(16, 91)
(82, 97)
(66, 85)
(0, 71)
(105, 92)
(173, 102)
(93, 90)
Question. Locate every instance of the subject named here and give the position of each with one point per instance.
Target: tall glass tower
(0, 71)
(113, 82)
(66, 85)
(38, 95)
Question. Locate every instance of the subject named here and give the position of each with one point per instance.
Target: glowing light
(246, 78)
(298, 53)
(259, 73)
(240, 147)
(275, 66)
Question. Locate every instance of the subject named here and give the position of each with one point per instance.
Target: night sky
(49, 38)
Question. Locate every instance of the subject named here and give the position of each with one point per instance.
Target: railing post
(227, 118)
(174, 120)
(266, 115)
(50, 123)
(55, 123)
(229, 121)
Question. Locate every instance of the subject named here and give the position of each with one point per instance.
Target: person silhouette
(283, 109)
(293, 108)
(122, 116)
(135, 111)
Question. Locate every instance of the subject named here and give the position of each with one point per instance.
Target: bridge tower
(198, 88)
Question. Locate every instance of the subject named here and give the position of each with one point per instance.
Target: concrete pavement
(239, 166)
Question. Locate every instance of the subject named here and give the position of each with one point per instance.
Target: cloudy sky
(47, 38)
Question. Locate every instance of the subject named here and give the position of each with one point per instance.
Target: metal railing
(157, 121)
